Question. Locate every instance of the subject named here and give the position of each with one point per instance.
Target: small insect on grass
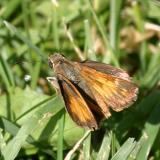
(91, 89)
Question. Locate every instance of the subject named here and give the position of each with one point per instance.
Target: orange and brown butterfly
(90, 89)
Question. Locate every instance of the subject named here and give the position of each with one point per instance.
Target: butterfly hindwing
(76, 105)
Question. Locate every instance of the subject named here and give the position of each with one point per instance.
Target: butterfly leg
(54, 83)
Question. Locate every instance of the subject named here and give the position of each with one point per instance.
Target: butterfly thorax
(63, 67)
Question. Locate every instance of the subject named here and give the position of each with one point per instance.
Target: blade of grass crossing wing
(150, 132)
(105, 148)
(125, 150)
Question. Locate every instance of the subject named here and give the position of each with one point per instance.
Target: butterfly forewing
(107, 69)
(109, 91)
(76, 105)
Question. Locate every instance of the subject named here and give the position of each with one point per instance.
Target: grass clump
(33, 122)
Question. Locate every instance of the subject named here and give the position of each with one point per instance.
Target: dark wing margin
(75, 104)
(108, 69)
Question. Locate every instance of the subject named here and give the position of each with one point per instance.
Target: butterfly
(90, 89)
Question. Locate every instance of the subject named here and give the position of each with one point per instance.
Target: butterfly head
(55, 59)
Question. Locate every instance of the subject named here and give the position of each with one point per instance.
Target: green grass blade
(150, 132)
(125, 150)
(27, 128)
(10, 8)
(60, 138)
(113, 144)
(25, 11)
(151, 78)
(25, 40)
(8, 126)
(129, 120)
(4, 76)
(2, 143)
(87, 147)
(55, 27)
(135, 151)
(105, 148)
(11, 152)
(111, 55)
(89, 50)
(152, 71)
(7, 70)
(115, 7)
(139, 21)
(50, 99)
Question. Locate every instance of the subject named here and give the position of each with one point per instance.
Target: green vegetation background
(33, 121)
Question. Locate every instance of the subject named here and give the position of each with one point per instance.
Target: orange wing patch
(76, 105)
(109, 91)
